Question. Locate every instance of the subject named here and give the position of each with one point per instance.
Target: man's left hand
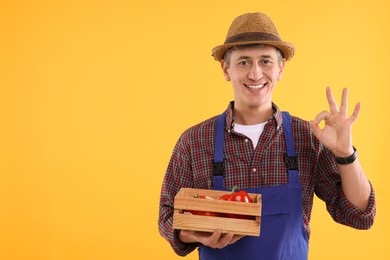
(336, 134)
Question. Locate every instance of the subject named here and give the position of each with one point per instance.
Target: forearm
(355, 184)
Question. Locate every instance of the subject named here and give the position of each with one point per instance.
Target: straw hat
(253, 28)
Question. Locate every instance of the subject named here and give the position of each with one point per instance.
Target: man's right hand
(217, 239)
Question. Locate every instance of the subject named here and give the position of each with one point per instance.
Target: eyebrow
(247, 57)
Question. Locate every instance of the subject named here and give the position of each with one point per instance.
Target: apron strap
(290, 157)
(218, 161)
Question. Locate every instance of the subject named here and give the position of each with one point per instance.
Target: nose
(255, 72)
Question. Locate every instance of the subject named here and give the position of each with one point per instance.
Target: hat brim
(287, 49)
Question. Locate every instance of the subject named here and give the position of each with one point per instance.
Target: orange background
(94, 94)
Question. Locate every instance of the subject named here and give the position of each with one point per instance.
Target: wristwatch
(349, 159)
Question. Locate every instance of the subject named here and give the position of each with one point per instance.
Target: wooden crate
(184, 201)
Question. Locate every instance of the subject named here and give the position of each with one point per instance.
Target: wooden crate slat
(251, 209)
(209, 224)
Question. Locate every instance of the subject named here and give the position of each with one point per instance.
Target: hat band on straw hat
(252, 36)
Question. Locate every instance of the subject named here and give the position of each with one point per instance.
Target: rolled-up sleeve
(178, 175)
(329, 189)
(354, 217)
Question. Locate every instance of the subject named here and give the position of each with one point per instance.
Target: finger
(187, 236)
(213, 239)
(344, 102)
(315, 129)
(225, 240)
(355, 113)
(187, 232)
(334, 108)
(324, 115)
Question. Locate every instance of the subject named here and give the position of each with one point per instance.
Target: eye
(266, 62)
(243, 63)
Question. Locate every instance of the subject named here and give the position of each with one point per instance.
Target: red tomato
(203, 213)
(239, 196)
(225, 197)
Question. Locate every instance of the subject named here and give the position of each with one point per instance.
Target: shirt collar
(276, 117)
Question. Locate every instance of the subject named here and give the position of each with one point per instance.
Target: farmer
(266, 151)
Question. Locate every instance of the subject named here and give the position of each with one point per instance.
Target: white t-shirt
(252, 131)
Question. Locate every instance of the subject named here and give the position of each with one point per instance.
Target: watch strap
(348, 160)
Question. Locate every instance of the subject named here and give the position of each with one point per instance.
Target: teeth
(255, 87)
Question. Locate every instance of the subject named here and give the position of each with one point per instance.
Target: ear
(281, 68)
(225, 69)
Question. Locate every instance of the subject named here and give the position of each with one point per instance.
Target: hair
(227, 54)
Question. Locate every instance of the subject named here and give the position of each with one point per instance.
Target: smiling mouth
(255, 87)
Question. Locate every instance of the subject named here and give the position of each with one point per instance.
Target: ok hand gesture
(336, 134)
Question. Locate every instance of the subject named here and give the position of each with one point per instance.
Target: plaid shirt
(246, 167)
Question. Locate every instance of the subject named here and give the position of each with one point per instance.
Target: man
(286, 159)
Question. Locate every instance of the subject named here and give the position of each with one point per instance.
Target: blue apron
(282, 233)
